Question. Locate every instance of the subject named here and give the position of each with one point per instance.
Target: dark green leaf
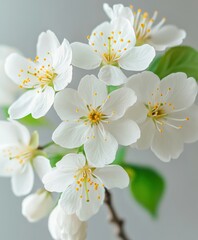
(177, 59)
(147, 186)
(120, 156)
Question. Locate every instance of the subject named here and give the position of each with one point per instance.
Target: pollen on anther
(187, 119)
(101, 34)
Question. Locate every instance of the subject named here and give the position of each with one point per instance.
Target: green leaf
(28, 120)
(120, 156)
(54, 159)
(147, 187)
(112, 88)
(177, 59)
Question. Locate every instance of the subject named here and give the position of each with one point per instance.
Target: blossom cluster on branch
(142, 112)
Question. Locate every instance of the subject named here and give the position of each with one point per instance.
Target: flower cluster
(143, 112)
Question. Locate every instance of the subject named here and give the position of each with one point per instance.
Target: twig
(119, 223)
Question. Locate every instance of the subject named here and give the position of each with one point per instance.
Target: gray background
(20, 23)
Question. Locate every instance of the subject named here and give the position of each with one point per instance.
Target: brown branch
(114, 219)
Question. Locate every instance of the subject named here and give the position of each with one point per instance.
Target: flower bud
(36, 206)
(66, 227)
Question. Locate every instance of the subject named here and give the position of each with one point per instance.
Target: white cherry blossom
(112, 47)
(166, 113)
(8, 90)
(37, 205)
(95, 119)
(51, 71)
(83, 185)
(66, 227)
(159, 36)
(19, 155)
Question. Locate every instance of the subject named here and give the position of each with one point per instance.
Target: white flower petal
(167, 36)
(58, 181)
(16, 67)
(118, 102)
(53, 223)
(71, 134)
(22, 182)
(144, 84)
(92, 90)
(13, 133)
(8, 168)
(167, 145)
(84, 57)
(71, 162)
(24, 105)
(69, 105)
(47, 42)
(91, 207)
(112, 75)
(44, 102)
(118, 10)
(183, 90)
(101, 149)
(63, 79)
(62, 57)
(125, 131)
(113, 176)
(137, 112)
(147, 130)
(42, 166)
(138, 58)
(70, 200)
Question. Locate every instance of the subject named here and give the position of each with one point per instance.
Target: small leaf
(54, 159)
(112, 88)
(28, 120)
(147, 186)
(177, 59)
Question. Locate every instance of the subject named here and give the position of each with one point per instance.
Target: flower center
(19, 154)
(110, 47)
(86, 181)
(39, 77)
(143, 25)
(95, 116)
(159, 110)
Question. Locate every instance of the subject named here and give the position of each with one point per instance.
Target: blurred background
(21, 21)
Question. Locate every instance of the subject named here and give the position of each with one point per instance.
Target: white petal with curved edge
(42, 166)
(101, 148)
(13, 133)
(138, 58)
(167, 145)
(84, 57)
(144, 84)
(118, 102)
(58, 181)
(167, 36)
(71, 134)
(24, 105)
(44, 102)
(113, 176)
(16, 67)
(125, 131)
(47, 42)
(92, 90)
(118, 10)
(22, 183)
(69, 105)
(62, 80)
(147, 130)
(112, 75)
(71, 162)
(183, 90)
